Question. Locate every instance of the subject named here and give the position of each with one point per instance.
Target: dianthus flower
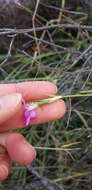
(29, 109)
(29, 113)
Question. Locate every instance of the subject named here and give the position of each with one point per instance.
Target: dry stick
(64, 10)
(55, 149)
(33, 20)
(9, 52)
(34, 31)
(7, 31)
(50, 185)
(81, 56)
(37, 182)
(76, 61)
(74, 176)
(56, 45)
(46, 183)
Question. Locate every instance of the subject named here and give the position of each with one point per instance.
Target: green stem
(44, 101)
(54, 98)
(76, 95)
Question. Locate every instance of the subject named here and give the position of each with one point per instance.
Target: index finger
(33, 90)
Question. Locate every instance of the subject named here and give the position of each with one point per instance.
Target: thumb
(9, 105)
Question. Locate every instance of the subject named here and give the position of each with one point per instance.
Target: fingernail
(10, 100)
(56, 89)
(3, 172)
(8, 105)
(13, 99)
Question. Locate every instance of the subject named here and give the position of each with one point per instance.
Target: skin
(14, 146)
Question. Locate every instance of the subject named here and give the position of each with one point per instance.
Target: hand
(13, 145)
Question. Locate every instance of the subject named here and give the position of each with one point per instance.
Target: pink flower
(29, 113)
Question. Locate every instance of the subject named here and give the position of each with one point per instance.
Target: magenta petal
(26, 121)
(28, 115)
(32, 114)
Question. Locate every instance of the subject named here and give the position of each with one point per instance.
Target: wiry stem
(54, 98)
(76, 95)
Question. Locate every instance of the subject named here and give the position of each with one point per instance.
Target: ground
(52, 41)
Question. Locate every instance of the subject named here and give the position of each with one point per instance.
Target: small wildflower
(29, 109)
(29, 113)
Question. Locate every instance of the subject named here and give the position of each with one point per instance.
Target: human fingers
(45, 113)
(13, 147)
(9, 105)
(19, 150)
(5, 163)
(30, 90)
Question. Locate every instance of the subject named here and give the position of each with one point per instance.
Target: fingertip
(52, 86)
(50, 112)
(4, 171)
(29, 151)
(5, 164)
(19, 150)
(9, 105)
(36, 90)
(63, 107)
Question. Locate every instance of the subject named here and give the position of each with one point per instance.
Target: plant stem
(76, 95)
(54, 98)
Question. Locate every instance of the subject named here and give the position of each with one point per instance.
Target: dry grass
(51, 44)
